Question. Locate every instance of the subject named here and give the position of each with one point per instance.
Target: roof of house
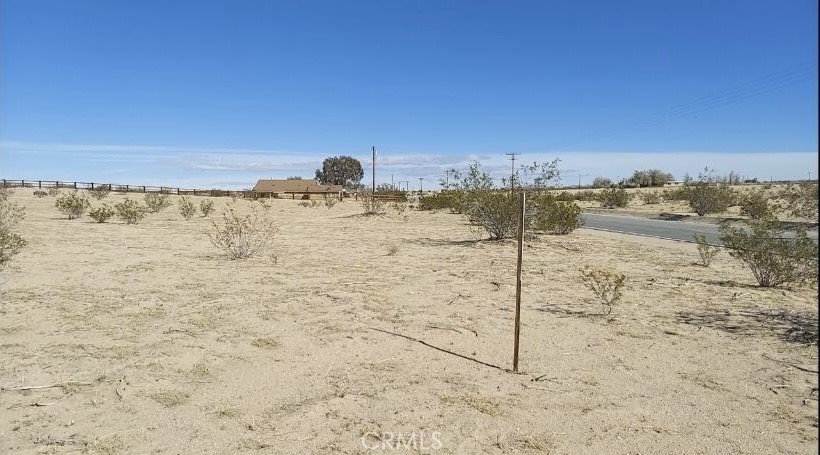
(294, 186)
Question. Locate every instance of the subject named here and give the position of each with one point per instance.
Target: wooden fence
(117, 188)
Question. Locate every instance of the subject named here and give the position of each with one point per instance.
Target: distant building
(293, 188)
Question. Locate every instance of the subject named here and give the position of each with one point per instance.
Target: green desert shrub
(775, 260)
(611, 198)
(585, 195)
(398, 206)
(206, 207)
(187, 208)
(444, 200)
(330, 202)
(801, 200)
(157, 202)
(129, 211)
(606, 285)
(494, 212)
(11, 243)
(243, 236)
(72, 204)
(706, 250)
(40, 193)
(651, 197)
(100, 192)
(371, 205)
(705, 198)
(757, 205)
(554, 216)
(102, 213)
(676, 194)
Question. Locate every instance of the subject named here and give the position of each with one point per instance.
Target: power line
(512, 156)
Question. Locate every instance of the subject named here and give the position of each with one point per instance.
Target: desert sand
(152, 341)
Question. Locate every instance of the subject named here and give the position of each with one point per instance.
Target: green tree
(340, 170)
(650, 177)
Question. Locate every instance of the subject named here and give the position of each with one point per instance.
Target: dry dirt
(151, 341)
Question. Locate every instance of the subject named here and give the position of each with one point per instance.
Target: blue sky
(207, 93)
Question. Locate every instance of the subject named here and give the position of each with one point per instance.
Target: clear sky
(220, 93)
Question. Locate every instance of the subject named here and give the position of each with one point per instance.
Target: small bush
(614, 198)
(495, 213)
(73, 204)
(157, 202)
(100, 192)
(330, 202)
(371, 205)
(187, 208)
(11, 243)
(756, 205)
(801, 201)
(40, 193)
(607, 285)
(554, 216)
(303, 204)
(102, 214)
(392, 249)
(445, 200)
(774, 260)
(705, 249)
(676, 194)
(398, 207)
(585, 195)
(206, 207)
(243, 236)
(651, 197)
(129, 211)
(53, 191)
(705, 198)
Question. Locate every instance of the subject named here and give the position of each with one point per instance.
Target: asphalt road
(676, 230)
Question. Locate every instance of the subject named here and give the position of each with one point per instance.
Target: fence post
(143, 188)
(522, 208)
(92, 185)
(39, 184)
(75, 185)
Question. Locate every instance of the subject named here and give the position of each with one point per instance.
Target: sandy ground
(156, 343)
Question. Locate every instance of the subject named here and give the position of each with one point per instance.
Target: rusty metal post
(522, 206)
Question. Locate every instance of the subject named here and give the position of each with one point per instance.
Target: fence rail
(118, 188)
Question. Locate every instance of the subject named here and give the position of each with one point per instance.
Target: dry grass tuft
(482, 405)
(525, 443)
(110, 445)
(265, 343)
(169, 398)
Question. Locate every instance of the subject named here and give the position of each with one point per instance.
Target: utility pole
(406, 184)
(447, 179)
(374, 168)
(512, 156)
(579, 181)
(391, 182)
(421, 186)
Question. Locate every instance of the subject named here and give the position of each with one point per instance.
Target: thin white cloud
(240, 168)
